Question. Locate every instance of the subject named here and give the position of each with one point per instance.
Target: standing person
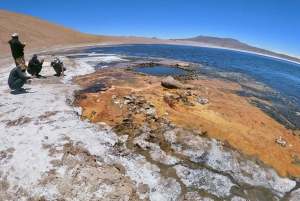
(17, 49)
(35, 66)
(16, 79)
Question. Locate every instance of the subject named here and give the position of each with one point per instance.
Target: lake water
(161, 71)
(281, 79)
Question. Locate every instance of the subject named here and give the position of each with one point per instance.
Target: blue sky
(268, 24)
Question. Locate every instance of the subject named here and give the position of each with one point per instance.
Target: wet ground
(240, 114)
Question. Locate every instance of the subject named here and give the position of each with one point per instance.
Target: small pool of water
(160, 71)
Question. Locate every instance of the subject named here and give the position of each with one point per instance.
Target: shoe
(20, 90)
(38, 75)
(57, 74)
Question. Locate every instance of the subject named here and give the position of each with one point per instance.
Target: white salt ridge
(94, 58)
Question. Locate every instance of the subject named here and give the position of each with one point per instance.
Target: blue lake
(161, 71)
(281, 78)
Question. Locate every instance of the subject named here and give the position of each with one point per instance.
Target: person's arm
(19, 70)
(19, 44)
(41, 62)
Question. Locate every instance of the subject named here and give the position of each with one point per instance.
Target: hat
(14, 35)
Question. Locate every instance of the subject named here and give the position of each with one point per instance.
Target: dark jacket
(16, 74)
(34, 66)
(17, 49)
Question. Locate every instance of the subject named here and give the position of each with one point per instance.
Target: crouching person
(35, 66)
(58, 66)
(16, 79)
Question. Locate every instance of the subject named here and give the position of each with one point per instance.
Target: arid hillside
(235, 44)
(38, 33)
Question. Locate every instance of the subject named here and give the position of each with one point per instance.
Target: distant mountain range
(234, 44)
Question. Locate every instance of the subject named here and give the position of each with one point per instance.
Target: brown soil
(226, 117)
(40, 34)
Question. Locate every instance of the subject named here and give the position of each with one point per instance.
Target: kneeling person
(35, 66)
(16, 79)
(58, 66)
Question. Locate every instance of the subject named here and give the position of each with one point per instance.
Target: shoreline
(49, 151)
(71, 46)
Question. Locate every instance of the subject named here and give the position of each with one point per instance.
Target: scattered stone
(296, 159)
(141, 101)
(132, 108)
(186, 101)
(126, 102)
(130, 97)
(143, 188)
(280, 142)
(268, 176)
(203, 101)
(187, 93)
(170, 83)
(150, 111)
(129, 68)
(128, 119)
(296, 133)
(151, 105)
(117, 102)
(166, 121)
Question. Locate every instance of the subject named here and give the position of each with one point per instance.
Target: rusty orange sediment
(227, 116)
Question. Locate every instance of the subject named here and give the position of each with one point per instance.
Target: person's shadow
(20, 91)
(41, 77)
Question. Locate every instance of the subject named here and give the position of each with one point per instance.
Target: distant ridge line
(236, 45)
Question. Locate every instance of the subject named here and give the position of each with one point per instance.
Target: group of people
(18, 76)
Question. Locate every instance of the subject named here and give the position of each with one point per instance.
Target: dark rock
(142, 101)
(127, 119)
(83, 96)
(130, 97)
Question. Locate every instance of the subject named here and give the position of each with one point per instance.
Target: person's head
(15, 35)
(34, 56)
(23, 66)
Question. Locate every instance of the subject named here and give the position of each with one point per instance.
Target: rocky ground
(135, 139)
(171, 122)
